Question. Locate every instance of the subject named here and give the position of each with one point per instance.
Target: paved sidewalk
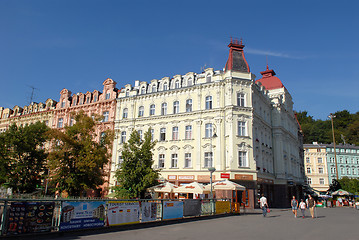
(330, 224)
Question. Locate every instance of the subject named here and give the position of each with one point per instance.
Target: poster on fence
(172, 209)
(148, 211)
(30, 217)
(223, 207)
(80, 215)
(192, 207)
(125, 212)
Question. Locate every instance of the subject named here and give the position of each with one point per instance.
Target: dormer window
(88, 100)
(189, 82)
(108, 95)
(177, 84)
(127, 93)
(165, 86)
(154, 88)
(63, 103)
(143, 90)
(95, 98)
(209, 78)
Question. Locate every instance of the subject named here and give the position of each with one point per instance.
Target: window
(307, 159)
(154, 88)
(95, 98)
(141, 111)
(125, 113)
(176, 107)
(74, 102)
(163, 134)
(348, 171)
(241, 128)
(208, 128)
(152, 109)
(242, 159)
(332, 170)
(161, 161)
(318, 150)
(140, 134)
(240, 100)
(108, 95)
(152, 134)
(88, 100)
(309, 170)
(123, 137)
(209, 102)
(188, 134)
(105, 116)
(174, 160)
(189, 105)
(120, 161)
(187, 160)
(342, 170)
(321, 181)
(175, 133)
(165, 86)
(164, 109)
(72, 120)
(143, 90)
(353, 170)
(102, 137)
(81, 101)
(208, 159)
(60, 123)
(320, 160)
(63, 104)
(320, 170)
(309, 180)
(189, 82)
(127, 92)
(177, 84)
(209, 78)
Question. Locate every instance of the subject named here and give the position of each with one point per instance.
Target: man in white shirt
(263, 204)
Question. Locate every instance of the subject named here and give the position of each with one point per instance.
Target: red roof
(269, 81)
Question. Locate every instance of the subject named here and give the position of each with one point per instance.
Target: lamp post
(211, 170)
(331, 116)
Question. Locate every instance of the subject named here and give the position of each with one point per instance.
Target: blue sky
(313, 46)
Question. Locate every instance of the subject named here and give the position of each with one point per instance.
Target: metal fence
(28, 216)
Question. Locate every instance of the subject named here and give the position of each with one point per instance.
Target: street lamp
(331, 116)
(211, 170)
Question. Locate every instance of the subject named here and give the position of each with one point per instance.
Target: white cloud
(273, 53)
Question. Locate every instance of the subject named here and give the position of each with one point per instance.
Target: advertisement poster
(172, 209)
(192, 207)
(80, 215)
(148, 211)
(30, 217)
(223, 207)
(123, 213)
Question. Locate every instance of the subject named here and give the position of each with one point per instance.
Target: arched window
(127, 92)
(177, 84)
(189, 82)
(143, 90)
(154, 88)
(165, 86)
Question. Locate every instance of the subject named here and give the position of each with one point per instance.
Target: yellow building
(220, 119)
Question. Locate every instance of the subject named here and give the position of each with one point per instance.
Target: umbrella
(228, 185)
(341, 192)
(193, 187)
(166, 187)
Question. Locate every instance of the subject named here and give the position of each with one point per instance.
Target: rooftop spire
(236, 60)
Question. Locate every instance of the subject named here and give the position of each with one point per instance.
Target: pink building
(92, 103)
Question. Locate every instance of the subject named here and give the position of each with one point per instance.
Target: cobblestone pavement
(331, 223)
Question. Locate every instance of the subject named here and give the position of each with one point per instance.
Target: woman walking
(302, 207)
(294, 204)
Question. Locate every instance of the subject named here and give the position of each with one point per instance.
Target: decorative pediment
(174, 147)
(109, 81)
(188, 147)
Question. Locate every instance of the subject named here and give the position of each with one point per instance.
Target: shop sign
(225, 175)
(185, 177)
(172, 177)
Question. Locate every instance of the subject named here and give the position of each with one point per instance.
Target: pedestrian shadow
(273, 216)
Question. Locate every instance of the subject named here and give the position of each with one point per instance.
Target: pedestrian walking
(311, 205)
(263, 204)
(294, 204)
(302, 207)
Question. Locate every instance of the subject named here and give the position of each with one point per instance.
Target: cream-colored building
(316, 169)
(221, 119)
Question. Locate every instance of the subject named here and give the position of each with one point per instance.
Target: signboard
(30, 217)
(223, 207)
(225, 175)
(148, 211)
(172, 177)
(172, 209)
(185, 177)
(80, 215)
(192, 207)
(123, 212)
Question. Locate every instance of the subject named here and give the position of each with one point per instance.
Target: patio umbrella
(193, 187)
(228, 185)
(166, 187)
(341, 192)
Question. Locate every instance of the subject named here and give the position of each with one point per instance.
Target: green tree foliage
(334, 186)
(346, 126)
(136, 173)
(350, 184)
(22, 157)
(76, 159)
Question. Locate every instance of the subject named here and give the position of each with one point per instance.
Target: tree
(77, 159)
(334, 186)
(136, 173)
(350, 184)
(23, 157)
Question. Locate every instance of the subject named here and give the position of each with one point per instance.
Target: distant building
(222, 119)
(92, 103)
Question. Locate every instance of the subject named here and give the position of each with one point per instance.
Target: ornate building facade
(244, 128)
(91, 103)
